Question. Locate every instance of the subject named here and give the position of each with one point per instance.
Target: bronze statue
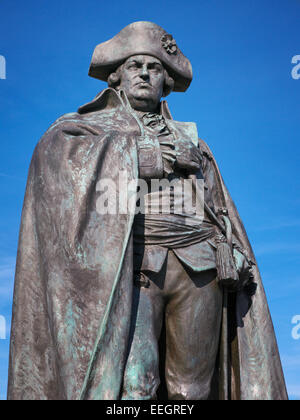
(135, 305)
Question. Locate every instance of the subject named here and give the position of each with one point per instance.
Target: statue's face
(142, 79)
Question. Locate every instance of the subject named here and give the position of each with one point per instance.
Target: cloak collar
(109, 98)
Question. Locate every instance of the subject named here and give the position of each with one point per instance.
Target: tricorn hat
(142, 38)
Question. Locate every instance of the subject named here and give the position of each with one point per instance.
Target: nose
(144, 73)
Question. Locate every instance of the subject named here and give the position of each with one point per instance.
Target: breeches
(191, 304)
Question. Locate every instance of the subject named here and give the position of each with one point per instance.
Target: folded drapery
(171, 231)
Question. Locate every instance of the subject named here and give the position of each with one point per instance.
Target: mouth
(143, 85)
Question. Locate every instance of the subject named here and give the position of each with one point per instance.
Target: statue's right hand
(188, 156)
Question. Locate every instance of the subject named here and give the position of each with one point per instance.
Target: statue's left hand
(243, 268)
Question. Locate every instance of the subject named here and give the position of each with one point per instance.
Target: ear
(113, 80)
(168, 85)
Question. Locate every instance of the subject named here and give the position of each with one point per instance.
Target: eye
(156, 68)
(132, 66)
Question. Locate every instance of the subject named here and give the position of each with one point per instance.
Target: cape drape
(73, 283)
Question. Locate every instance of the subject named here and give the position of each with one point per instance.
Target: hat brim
(140, 38)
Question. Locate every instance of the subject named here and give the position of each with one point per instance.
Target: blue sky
(243, 98)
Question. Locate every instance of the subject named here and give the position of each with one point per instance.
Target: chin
(143, 94)
(143, 100)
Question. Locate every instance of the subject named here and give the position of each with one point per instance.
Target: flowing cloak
(73, 284)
